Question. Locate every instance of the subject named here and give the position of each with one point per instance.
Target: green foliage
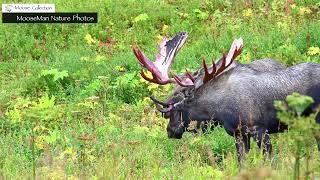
(42, 111)
(141, 17)
(307, 126)
(298, 102)
(54, 79)
(91, 89)
(54, 74)
(302, 130)
(129, 88)
(53, 82)
(201, 15)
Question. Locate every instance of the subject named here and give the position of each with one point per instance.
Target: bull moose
(237, 96)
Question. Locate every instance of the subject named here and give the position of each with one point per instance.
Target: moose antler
(164, 59)
(223, 63)
(168, 49)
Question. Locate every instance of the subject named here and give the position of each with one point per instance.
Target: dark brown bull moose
(237, 96)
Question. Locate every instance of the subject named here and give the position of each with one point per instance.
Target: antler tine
(179, 81)
(143, 61)
(141, 58)
(159, 68)
(208, 76)
(190, 76)
(164, 110)
(137, 53)
(237, 52)
(205, 67)
(145, 76)
(166, 106)
(159, 102)
(154, 80)
(214, 67)
(223, 63)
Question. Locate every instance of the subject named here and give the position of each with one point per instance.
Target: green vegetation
(72, 103)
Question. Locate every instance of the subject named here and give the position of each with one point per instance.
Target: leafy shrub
(302, 130)
(129, 88)
(53, 82)
(42, 111)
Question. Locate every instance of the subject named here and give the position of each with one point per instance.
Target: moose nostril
(174, 136)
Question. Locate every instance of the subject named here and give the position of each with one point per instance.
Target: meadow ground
(72, 103)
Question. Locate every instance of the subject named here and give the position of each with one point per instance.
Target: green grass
(69, 108)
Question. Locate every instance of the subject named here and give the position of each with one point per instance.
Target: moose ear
(198, 84)
(198, 75)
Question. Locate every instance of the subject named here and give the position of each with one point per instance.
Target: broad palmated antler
(222, 64)
(164, 59)
(168, 49)
(159, 69)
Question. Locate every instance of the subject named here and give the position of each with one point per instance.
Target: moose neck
(205, 104)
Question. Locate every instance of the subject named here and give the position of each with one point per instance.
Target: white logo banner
(28, 8)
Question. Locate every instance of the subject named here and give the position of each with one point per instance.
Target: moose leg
(242, 146)
(318, 138)
(205, 127)
(263, 141)
(318, 142)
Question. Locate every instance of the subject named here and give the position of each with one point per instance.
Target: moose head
(177, 108)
